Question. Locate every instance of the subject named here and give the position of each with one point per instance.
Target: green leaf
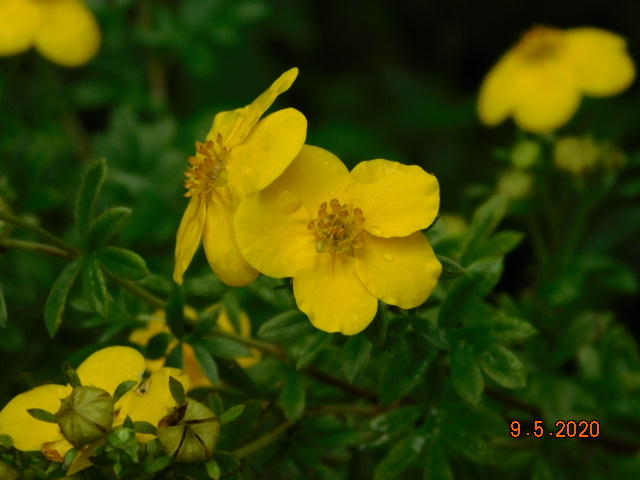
(426, 324)
(376, 332)
(207, 363)
(232, 307)
(107, 225)
(481, 277)
(43, 415)
(6, 441)
(450, 268)
(542, 470)
(94, 286)
(484, 221)
(175, 357)
(504, 367)
(437, 467)
(177, 391)
(355, 356)
(123, 263)
(292, 396)
(405, 368)
(157, 464)
(232, 413)
(498, 245)
(175, 311)
(57, 299)
(223, 347)
(465, 374)
(88, 192)
(158, 345)
(312, 345)
(122, 389)
(144, 427)
(3, 310)
(213, 469)
(286, 325)
(400, 457)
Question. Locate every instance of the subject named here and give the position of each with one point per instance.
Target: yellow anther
(338, 230)
(207, 170)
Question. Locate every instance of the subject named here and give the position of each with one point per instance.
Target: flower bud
(525, 154)
(86, 415)
(515, 184)
(576, 155)
(7, 472)
(190, 433)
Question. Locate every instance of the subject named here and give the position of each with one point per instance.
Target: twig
(35, 247)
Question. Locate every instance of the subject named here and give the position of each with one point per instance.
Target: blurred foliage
(521, 327)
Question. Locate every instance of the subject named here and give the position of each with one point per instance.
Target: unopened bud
(515, 184)
(576, 155)
(86, 415)
(525, 154)
(7, 472)
(190, 433)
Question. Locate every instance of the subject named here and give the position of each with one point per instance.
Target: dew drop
(375, 230)
(388, 257)
(287, 202)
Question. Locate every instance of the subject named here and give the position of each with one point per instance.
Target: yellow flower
(540, 81)
(64, 31)
(242, 154)
(347, 239)
(105, 369)
(515, 184)
(191, 366)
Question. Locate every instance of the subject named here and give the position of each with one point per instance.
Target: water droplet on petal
(375, 230)
(288, 202)
(388, 257)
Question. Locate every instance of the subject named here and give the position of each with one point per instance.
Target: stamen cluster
(207, 170)
(338, 228)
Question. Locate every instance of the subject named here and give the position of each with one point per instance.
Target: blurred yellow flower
(540, 81)
(105, 369)
(242, 154)
(64, 31)
(347, 239)
(515, 184)
(197, 377)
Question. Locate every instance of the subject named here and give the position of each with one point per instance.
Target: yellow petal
(272, 233)
(333, 297)
(69, 34)
(152, 400)
(109, 367)
(220, 244)
(29, 434)
(193, 369)
(55, 451)
(19, 22)
(599, 60)
(315, 176)
(398, 271)
(224, 322)
(267, 150)
(189, 235)
(547, 96)
(233, 126)
(141, 336)
(496, 98)
(396, 199)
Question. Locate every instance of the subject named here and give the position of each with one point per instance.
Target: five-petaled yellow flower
(242, 154)
(347, 239)
(541, 80)
(197, 377)
(105, 369)
(64, 31)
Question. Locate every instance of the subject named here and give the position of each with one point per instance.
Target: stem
(263, 441)
(8, 217)
(35, 247)
(139, 291)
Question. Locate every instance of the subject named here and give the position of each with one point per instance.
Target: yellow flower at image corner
(242, 154)
(63, 31)
(346, 238)
(105, 369)
(197, 377)
(540, 81)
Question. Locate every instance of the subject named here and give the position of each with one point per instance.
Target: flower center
(207, 168)
(338, 228)
(541, 43)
